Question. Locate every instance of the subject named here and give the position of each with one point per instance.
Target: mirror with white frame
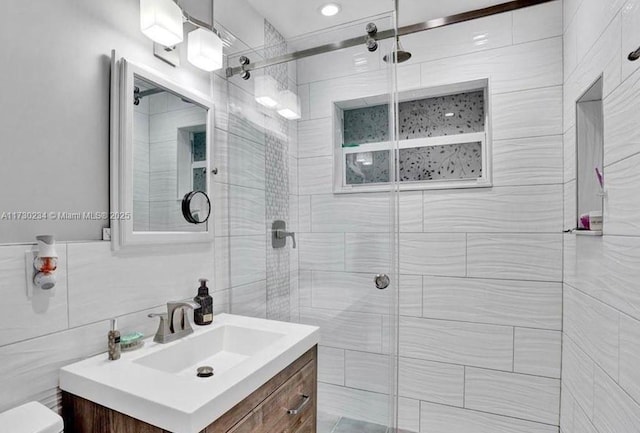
(161, 157)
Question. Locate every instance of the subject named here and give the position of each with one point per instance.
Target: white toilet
(30, 418)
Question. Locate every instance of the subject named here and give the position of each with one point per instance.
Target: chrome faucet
(168, 329)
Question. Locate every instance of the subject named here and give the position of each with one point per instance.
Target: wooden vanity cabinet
(287, 403)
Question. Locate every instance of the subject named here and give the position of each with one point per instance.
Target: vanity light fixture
(204, 50)
(330, 9)
(289, 106)
(162, 22)
(266, 91)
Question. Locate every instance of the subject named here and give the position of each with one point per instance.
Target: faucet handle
(163, 328)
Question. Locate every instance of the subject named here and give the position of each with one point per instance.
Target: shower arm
(387, 34)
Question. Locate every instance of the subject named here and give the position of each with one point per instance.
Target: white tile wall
(481, 270)
(517, 395)
(487, 346)
(435, 418)
(600, 297)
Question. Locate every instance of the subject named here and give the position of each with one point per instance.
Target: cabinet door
(287, 409)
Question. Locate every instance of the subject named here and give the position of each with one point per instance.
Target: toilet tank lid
(31, 418)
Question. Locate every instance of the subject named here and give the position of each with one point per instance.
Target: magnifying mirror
(196, 207)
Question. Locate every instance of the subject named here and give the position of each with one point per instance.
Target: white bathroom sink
(158, 384)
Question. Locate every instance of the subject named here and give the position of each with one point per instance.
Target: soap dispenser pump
(204, 314)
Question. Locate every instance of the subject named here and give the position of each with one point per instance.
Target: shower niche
(589, 161)
(443, 141)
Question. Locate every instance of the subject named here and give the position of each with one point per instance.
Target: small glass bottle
(114, 341)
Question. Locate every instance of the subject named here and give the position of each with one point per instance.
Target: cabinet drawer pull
(305, 400)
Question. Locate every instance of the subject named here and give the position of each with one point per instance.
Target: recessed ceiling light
(330, 9)
(449, 114)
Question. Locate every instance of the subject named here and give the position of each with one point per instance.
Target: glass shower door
(330, 177)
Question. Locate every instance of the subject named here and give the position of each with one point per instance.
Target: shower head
(397, 56)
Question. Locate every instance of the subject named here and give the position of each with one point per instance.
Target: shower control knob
(382, 281)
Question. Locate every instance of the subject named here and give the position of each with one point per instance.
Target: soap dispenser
(203, 315)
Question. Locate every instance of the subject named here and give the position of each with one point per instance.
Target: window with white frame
(443, 140)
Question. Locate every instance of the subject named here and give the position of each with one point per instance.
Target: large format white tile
(103, 284)
(367, 371)
(346, 329)
(537, 352)
(321, 251)
(501, 302)
(515, 256)
(577, 374)
(315, 138)
(408, 415)
(315, 175)
(246, 162)
(528, 161)
(22, 317)
(364, 212)
(163, 126)
(630, 22)
(324, 93)
(504, 209)
(592, 19)
(352, 213)
(594, 327)
(337, 64)
(622, 205)
(246, 211)
(436, 418)
(456, 342)
(604, 59)
(537, 22)
(531, 113)
(465, 38)
(346, 291)
(248, 259)
(250, 300)
(620, 108)
(510, 69)
(331, 365)
(354, 403)
(517, 395)
(368, 252)
(605, 268)
(614, 410)
(431, 381)
(630, 355)
(432, 254)
(410, 297)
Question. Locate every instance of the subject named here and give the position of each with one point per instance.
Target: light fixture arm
(188, 18)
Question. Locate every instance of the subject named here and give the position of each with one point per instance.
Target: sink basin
(159, 385)
(222, 348)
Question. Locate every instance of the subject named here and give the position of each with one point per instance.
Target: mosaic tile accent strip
(451, 161)
(358, 171)
(277, 184)
(431, 117)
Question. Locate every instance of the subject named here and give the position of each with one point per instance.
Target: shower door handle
(382, 281)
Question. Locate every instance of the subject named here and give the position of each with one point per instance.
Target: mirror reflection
(170, 157)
